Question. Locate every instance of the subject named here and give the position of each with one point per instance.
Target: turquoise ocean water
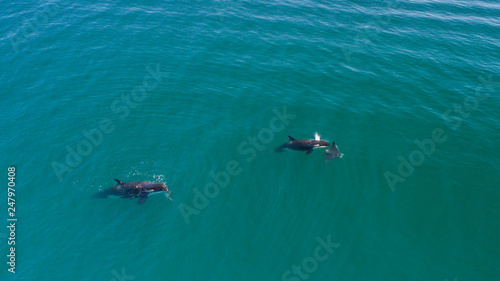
(184, 91)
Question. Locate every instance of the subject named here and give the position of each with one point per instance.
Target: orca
(134, 189)
(303, 145)
(332, 153)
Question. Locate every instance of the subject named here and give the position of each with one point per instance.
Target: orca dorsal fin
(291, 138)
(118, 181)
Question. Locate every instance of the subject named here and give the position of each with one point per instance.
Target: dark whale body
(134, 189)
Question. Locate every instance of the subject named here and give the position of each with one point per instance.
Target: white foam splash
(166, 195)
(317, 136)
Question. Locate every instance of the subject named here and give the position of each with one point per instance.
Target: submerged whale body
(134, 189)
(332, 153)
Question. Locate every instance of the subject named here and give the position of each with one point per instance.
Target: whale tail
(101, 195)
(280, 148)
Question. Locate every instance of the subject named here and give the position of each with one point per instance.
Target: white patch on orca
(319, 146)
(151, 192)
(161, 192)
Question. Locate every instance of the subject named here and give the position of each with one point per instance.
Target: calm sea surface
(196, 94)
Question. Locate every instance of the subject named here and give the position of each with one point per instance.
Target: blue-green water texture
(198, 94)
